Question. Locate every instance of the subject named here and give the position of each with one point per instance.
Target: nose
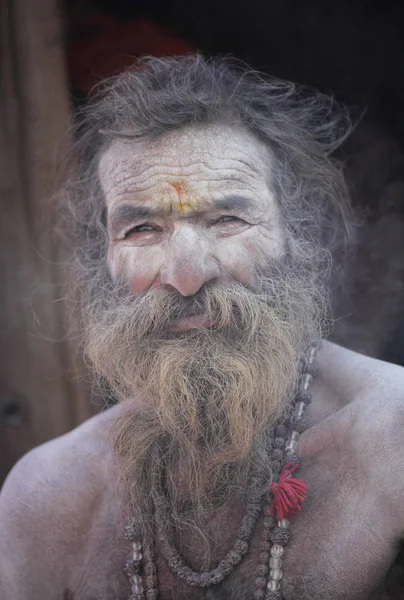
(188, 263)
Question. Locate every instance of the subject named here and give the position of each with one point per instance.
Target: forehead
(209, 160)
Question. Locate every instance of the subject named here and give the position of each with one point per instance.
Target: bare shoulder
(363, 396)
(353, 374)
(53, 473)
(349, 383)
(374, 387)
(47, 500)
(368, 414)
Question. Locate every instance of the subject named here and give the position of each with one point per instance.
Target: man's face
(207, 338)
(192, 208)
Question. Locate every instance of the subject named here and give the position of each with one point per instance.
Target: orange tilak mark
(179, 186)
(181, 189)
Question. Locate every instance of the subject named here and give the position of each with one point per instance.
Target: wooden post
(40, 397)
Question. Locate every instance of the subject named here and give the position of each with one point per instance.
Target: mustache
(179, 306)
(232, 306)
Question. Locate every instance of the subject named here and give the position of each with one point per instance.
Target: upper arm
(47, 505)
(379, 438)
(28, 540)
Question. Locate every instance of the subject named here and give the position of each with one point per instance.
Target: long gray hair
(160, 95)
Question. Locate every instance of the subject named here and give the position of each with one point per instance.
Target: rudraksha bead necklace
(175, 562)
(283, 500)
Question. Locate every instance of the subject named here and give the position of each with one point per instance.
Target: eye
(229, 219)
(142, 228)
(229, 225)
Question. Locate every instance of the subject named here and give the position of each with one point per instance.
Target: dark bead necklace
(276, 527)
(175, 562)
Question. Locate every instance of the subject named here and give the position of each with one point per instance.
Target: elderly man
(246, 459)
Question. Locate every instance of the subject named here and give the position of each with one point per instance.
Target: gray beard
(205, 398)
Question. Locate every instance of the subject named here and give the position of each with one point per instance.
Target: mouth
(191, 322)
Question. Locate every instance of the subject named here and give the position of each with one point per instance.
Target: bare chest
(341, 547)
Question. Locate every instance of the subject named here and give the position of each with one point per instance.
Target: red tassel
(288, 494)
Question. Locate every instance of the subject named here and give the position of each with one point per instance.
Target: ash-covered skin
(62, 498)
(215, 214)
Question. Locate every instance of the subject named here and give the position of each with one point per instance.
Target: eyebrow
(233, 203)
(125, 214)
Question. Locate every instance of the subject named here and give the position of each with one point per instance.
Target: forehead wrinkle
(157, 162)
(237, 185)
(178, 172)
(147, 167)
(120, 174)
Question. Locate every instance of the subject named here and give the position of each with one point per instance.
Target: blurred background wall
(52, 53)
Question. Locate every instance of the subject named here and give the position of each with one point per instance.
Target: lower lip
(191, 323)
